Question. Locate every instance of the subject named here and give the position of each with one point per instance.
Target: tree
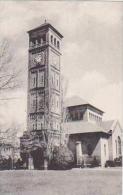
(8, 73)
(63, 158)
(9, 136)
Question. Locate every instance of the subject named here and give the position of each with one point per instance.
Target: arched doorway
(38, 158)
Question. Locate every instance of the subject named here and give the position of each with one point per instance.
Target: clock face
(38, 58)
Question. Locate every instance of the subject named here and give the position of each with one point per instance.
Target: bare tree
(8, 73)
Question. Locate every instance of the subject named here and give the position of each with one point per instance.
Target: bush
(118, 162)
(62, 158)
(109, 163)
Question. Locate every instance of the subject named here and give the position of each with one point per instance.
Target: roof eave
(48, 26)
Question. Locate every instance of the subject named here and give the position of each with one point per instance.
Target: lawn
(72, 182)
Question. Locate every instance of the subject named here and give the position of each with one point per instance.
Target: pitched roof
(107, 125)
(47, 25)
(110, 125)
(82, 127)
(77, 101)
(74, 101)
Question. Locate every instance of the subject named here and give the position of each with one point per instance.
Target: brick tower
(44, 93)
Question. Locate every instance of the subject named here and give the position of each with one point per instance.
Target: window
(34, 81)
(41, 103)
(116, 146)
(105, 149)
(51, 38)
(34, 103)
(42, 78)
(57, 83)
(58, 46)
(119, 146)
(33, 126)
(55, 41)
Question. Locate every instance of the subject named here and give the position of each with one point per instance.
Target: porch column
(45, 164)
(79, 153)
(30, 163)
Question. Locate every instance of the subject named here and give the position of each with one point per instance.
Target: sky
(91, 51)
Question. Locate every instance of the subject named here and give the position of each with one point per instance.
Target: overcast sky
(92, 50)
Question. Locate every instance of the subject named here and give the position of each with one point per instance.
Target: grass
(72, 182)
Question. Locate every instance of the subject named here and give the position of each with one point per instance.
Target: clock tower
(44, 90)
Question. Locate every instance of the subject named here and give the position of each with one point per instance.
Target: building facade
(89, 136)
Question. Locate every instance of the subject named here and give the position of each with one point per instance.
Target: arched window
(119, 146)
(116, 146)
(58, 45)
(105, 149)
(55, 41)
(51, 38)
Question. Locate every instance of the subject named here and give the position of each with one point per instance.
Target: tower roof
(46, 26)
(77, 101)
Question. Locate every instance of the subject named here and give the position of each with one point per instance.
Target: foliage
(8, 73)
(117, 162)
(62, 158)
(109, 163)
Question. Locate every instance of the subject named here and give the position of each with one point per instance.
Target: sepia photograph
(61, 97)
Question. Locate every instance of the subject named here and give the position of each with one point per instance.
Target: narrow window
(51, 38)
(55, 41)
(42, 78)
(58, 46)
(105, 149)
(116, 146)
(119, 146)
(57, 82)
(34, 81)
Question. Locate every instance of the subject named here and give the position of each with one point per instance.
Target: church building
(88, 134)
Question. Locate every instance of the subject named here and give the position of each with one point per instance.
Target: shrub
(62, 158)
(118, 162)
(109, 163)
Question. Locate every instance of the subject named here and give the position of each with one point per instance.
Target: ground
(72, 182)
